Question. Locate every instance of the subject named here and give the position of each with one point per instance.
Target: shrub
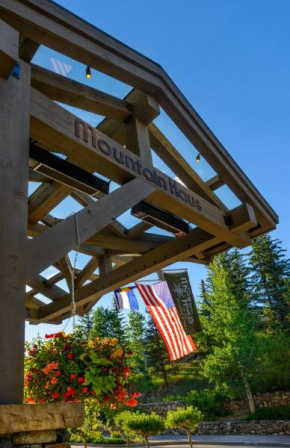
(208, 401)
(144, 425)
(121, 421)
(186, 419)
(68, 368)
(277, 413)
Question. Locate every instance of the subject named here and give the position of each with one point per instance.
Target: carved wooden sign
(83, 130)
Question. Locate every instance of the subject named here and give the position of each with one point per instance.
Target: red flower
(136, 395)
(41, 400)
(69, 356)
(85, 390)
(55, 395)
(132, 402)
(106, 399)
(92, 392)
(57, 373)
(71, 391)
(81, 380)
(30, 400)
(73, 375)
(54, 380)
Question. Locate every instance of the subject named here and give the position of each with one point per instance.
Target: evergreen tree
(270, 281)
(230, 326)
(155, 352)
(108, 323)
(135, 335)
(85, 325)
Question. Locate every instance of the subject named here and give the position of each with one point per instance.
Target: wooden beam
(73, 93)
(8, 49)
(193, 244)
(27, 49)
(138, 229)
(152, 261)
(52, 126)
(44, 199)
(86, 273)
(54, 243)
(85, 200)
(66, 268)
(59, 29)
(37, 177)
(14, 132)
(174, 160)
(53, 292)
(215, 182)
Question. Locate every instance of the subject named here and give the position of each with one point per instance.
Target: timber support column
(14, 154)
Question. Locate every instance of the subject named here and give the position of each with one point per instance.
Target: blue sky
(232, 62)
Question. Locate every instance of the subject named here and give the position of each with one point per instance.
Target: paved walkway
(211, 441)
(223, 440)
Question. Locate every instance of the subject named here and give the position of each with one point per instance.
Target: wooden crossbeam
(174, 160)
(154, 260)
(53, 292)
(8, 49)
(71, 92)
(85, 200)
(215, 182)
(191, 245)
(66, 268)
(59, 240)
(53, 126)
(27, 49)
(138, 229)
(44, 199)
(86, 272)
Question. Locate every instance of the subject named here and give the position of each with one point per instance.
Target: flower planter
(16, 418)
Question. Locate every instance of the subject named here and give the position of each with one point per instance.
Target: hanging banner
(179, 286)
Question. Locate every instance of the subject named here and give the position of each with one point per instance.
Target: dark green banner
(180, 289)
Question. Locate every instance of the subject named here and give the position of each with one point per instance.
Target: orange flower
(52, 366)
(54, 380)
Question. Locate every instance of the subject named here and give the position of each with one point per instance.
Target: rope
(73, 272)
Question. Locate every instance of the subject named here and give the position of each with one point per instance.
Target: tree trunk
(127, 440)
(161, 360)
(249, 394)
(147, 442)
(189, 437)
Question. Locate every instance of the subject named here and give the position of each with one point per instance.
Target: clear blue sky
(231, 60)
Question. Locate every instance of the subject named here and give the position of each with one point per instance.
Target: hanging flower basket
(67, 368)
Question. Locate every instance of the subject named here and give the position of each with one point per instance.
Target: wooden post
(14, 151)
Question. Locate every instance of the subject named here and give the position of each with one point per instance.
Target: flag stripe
(167, 319)
(168, 323)
(159, 320)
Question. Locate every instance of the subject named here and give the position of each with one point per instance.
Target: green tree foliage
(85, 325)
(230, 326)
(271, 281)
(108, 322)
(187, 419)
(121, 421)
(135, 335)
(155, 350)
(144, 425)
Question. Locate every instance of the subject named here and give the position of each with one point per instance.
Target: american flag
(59, 67)
(160, 305)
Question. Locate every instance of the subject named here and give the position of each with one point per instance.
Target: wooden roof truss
(120, 149)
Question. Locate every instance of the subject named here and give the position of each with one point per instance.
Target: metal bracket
(16, 71)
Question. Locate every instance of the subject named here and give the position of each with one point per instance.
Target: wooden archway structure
(33, 126)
